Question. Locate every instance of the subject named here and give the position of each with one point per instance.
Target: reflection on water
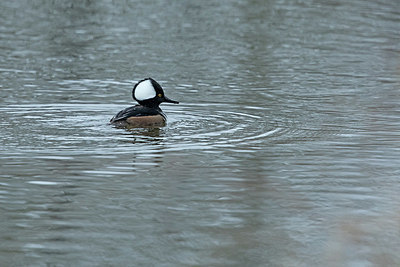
(283, 152)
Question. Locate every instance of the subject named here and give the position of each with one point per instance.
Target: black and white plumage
(149, 94)
(137, 111)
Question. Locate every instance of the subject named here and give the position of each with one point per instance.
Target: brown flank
(146, 121)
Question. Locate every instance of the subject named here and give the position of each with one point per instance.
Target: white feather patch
(144, 90)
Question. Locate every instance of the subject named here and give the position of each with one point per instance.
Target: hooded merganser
(149, 94)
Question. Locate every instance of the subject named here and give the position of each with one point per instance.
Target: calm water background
(284, 150)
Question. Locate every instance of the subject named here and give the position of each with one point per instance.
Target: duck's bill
(166, 99)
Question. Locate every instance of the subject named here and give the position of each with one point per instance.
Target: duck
(149, 94)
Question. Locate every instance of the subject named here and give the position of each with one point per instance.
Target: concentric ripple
(220, 125)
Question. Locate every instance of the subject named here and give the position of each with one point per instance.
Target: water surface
(283, 151)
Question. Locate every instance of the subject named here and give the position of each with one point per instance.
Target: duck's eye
(159, 95)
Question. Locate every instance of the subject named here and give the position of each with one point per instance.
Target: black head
(148, 92)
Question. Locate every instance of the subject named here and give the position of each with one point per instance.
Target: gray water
(284, 150)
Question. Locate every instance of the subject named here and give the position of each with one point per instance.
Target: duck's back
(139, 116)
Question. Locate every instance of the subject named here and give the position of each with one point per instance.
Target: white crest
(145, 90)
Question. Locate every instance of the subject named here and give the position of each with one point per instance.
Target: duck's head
(148, 92)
